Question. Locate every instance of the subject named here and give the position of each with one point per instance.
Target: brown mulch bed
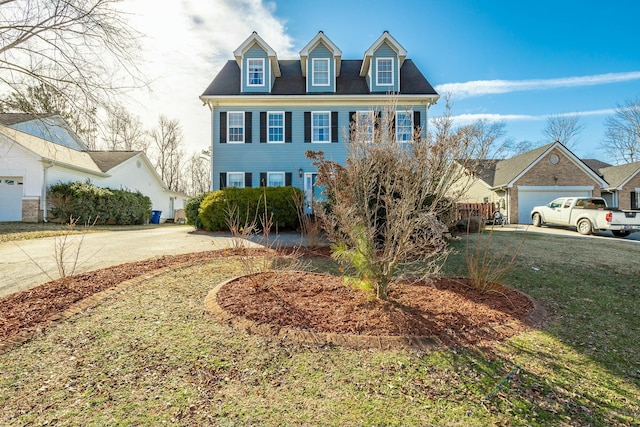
(444, 308)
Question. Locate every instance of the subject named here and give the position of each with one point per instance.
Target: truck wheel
(537, 220)
(584, 227)
(619, 233)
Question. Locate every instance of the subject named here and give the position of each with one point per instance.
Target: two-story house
(266, 113)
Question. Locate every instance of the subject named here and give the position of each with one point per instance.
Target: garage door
(10, 198)
(528, 197)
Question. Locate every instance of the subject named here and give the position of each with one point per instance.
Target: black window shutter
(287, 127)
(334, 126)
(634, 200)
(223, 180)
(376, 120)
(287, 178)
(247, 179)
(247, 127)
(263, 126)
(263, 179)
(392, 119)
(352, 122)
(416, 121)
(307, 126)
(223, 127)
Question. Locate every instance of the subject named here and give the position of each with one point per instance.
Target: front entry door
(312, 191)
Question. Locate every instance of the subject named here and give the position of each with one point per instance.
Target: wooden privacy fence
(471, 210)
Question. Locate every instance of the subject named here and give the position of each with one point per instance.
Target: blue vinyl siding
(384, 51)
(254, 52)
(283, 157)
(318, 52)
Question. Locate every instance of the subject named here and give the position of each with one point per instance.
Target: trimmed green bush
(88, 203)
(249, 205)
(191, 209)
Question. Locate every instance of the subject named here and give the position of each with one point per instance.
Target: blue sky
(515, 61)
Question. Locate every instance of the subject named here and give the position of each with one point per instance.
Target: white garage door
(10, 198)
(528, 197)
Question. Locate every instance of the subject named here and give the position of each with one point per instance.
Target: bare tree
(124, 131)
(488, 134)
(198, 173)
(622, 135)
(390, 202)
(43, 99)
(564, 129)
(82, 49)
(166, 150)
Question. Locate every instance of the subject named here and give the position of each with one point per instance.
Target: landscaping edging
(299, 336)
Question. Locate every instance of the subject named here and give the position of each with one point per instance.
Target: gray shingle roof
(227, 82)
(107, 160)
(8, 119)
(508, 169)
(618, 175)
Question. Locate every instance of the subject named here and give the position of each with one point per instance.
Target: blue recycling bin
(155, 217)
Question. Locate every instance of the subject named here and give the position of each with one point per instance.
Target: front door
(312, 191)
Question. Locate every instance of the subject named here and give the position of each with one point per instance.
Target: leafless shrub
(388, 202)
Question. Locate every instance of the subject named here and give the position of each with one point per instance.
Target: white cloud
(464, 119)
(488, 87)
(187, 42)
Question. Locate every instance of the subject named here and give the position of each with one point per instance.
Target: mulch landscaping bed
(446, 308)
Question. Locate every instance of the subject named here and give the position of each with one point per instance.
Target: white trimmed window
(384, 71)
(320, 71)
(404, 126)
(235, 179)
(320, 126)
(235, 126)
(275, 126)
(255, 72)
(275, 179)
(365, 123)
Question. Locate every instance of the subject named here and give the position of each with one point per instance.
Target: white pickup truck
(588, 215)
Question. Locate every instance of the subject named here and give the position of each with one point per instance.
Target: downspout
(45, 169)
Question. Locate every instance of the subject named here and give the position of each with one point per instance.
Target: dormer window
(384, 71)
(320, 71)
(255, 72)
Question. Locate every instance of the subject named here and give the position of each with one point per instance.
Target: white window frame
(313, 127)
(410, 127)
(269, 127)
(229, 115)
(261, 61)
(370, 117)
(378, 82)
(315, 73)
(241, 179)
(270, 174)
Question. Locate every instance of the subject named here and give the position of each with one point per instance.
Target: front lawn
(152, 356)
(11, 231)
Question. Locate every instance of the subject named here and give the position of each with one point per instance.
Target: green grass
(11, 231)
(152, 356)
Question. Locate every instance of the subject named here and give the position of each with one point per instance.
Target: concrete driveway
(19, 271)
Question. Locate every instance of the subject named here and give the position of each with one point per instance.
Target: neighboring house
(538, 176)
(30, 163)
(266, 113)
(623, 188)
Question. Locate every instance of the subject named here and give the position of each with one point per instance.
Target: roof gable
(618, 176)
(320, 38)
(504, 173)
(391, 42)
(254, 38)
(107, 160)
